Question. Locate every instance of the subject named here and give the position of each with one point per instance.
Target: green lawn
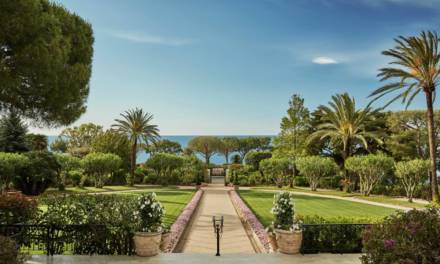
(73, 190)
(261, 203)
(374, 198)
(174, 201)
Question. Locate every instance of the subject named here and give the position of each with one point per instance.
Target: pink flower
(389, 243)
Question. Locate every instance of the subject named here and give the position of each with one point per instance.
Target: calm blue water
(183, 140)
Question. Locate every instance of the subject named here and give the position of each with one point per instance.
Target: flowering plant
(284, 211)
(149, 213)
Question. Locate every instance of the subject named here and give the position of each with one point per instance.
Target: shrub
(301, 181)
(9, 251)
(255, 178)
(10, 165)
(253, 158)
(370, 169)
(15, 209)
(75, 177)
(148, 214)
(192, 170)
(275, 170)
(283, 211)
(236, 159)
(38, 174)
(67, 164)
(100, 166)
(315, 167)
(410, 237)
(164, 164)
(411, 174)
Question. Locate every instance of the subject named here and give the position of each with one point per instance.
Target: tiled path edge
(248, 218)
(178, 228)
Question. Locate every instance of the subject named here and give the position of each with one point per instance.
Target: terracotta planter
(273, 241)
(165, 241)
(289, 242)
(236, 187)
(147, 244)
(198, 186)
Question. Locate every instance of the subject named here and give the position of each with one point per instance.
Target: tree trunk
(132, 162)
(432, 147)
(207, 159)
(227, 157)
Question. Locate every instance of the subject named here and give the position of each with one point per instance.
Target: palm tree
(345, 125)
(418, 70)
(136, 125)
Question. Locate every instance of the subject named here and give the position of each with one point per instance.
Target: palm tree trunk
(432, 148)
(132, 162)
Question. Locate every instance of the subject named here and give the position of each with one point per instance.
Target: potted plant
(165, 237)
(148, 218)
(288, 231)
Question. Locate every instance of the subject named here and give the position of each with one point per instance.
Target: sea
(142, 156)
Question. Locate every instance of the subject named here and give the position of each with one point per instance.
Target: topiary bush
(316, 167)
(10, 166)
(99, 167)
(407, 237)
(39, 173)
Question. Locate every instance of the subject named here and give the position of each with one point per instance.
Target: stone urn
(289, 242)
(236, 187)
(147, 244)
(165, 241)
(198, 186)
(273, 241)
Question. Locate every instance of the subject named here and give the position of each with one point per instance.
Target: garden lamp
(217, 223)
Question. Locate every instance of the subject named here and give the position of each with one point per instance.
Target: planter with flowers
(166, 237)
(288, 231)
(148, 218)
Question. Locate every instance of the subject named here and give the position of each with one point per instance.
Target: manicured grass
(374, 198)
(174, 201)
(261, 203)
(73, 190)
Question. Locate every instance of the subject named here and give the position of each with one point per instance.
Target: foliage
(149, 213)
(409, 138)
(79, 138)
(136, 125)
(38, 174)
(284, 211)
(411, 174)
(13, 133)
(418, 60)
(164, 146)
(316, 167)
(113, 142)
(100, 166)
(275, 170)
(68, 164)
(346, 127)
(227, 146)
(59, 145)
(254, 158)
(206, 146)
(36, 142)
(370, 169)
(10, 165)
(192, 170)
(46, 61)
(247, 144)
(236, 159)
(164, 165)
(16, 209)
(407, 237)
(9, 251)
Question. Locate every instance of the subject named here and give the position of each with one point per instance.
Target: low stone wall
(246, 215)
(178, 228)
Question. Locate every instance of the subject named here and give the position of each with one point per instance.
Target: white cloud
(151, 39)
(324, 60)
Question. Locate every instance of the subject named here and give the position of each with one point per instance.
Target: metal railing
(70, 239)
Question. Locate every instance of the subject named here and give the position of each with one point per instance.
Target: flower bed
(248, 216)
(182, 221)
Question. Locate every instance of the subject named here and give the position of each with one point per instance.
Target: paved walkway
(203, 259)
(201, 237)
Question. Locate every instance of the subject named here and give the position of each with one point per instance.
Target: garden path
(201, 237)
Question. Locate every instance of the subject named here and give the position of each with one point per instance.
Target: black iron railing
(332, 238)
(70, 239)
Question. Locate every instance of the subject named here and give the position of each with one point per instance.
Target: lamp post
(217, 223)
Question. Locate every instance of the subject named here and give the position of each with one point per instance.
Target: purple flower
(389, 243)
(245, 213)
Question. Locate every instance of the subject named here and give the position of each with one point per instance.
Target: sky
(229, 67)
